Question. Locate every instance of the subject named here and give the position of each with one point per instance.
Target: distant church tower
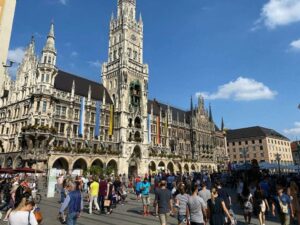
(126, 79)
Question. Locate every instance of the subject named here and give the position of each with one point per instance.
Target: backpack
(248, 203)
(284, 208)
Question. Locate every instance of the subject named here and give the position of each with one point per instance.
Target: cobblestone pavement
(128, 214)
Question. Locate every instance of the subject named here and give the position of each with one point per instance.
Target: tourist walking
(74, 203)
(293, 191)
(247, 202)
(163, 200)
(93, 194)
(282, 204)
(181, 203)
(217, 209)
(145, 190)
(196, 208)
(260, 205)
(204, 193)
(22, 215)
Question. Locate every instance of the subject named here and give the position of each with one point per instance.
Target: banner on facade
(82, 117)
(158, 129)
(149, 128)
(98, 119)
(111, 121)
(52, 173)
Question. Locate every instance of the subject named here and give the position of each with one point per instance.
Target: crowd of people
(194, 199)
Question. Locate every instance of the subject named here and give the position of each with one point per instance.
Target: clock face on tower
(133, 37)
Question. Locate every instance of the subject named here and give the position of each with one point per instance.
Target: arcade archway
(161, 166)
(61, 164)
(80, 164)
(112, 167)
(152, 167)
(170, 167)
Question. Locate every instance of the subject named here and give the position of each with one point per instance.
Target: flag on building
(149, 128)
(82, 117)
(111, 121)
(158, 130)
(98, 119)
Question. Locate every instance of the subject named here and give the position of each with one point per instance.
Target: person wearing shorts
(163, 199)
(145, 189)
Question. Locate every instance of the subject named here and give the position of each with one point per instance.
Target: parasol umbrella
(27, 170)
(7, 170)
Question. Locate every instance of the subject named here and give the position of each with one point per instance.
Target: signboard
(51, 182)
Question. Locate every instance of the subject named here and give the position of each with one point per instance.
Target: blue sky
(242, 55)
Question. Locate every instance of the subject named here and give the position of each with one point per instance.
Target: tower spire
(49, 51)
(210, 114)
(222, 124)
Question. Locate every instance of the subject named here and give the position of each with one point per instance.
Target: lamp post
(245, 151)
(35, 152)
(278, 158)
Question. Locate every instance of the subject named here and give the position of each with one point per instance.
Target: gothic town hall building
(50, 118)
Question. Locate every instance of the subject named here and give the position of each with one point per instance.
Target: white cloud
(293, 131)
(295, 45)
(16, 54)
(242, 89)
(64, 2)
(96, 63)
(280, 12)
(74, 54)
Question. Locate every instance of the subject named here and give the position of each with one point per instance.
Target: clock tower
(125, 76)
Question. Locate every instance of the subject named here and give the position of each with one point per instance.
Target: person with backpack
(261, 204)
(247, 202)
(74, 203)
(282, 204)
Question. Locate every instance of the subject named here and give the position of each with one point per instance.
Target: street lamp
(245, 151)
(278, 158)
(35, 152)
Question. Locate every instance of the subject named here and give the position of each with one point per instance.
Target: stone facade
(258, 143)
(48, 118)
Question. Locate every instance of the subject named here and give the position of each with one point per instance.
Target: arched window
(43, 77)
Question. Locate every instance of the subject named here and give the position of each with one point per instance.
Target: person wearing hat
(145, 189)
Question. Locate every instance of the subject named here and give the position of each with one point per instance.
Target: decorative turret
(73, 91)
(126, 9)
(47, 69)
(49, 51)
(89, 95)
(210, 117)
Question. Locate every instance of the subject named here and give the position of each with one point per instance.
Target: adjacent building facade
(7, 11)
(295, 146)
(258, 143)
(53, 119)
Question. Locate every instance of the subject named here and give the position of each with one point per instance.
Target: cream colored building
(7, 11)
(60, 120)
(258, 143)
